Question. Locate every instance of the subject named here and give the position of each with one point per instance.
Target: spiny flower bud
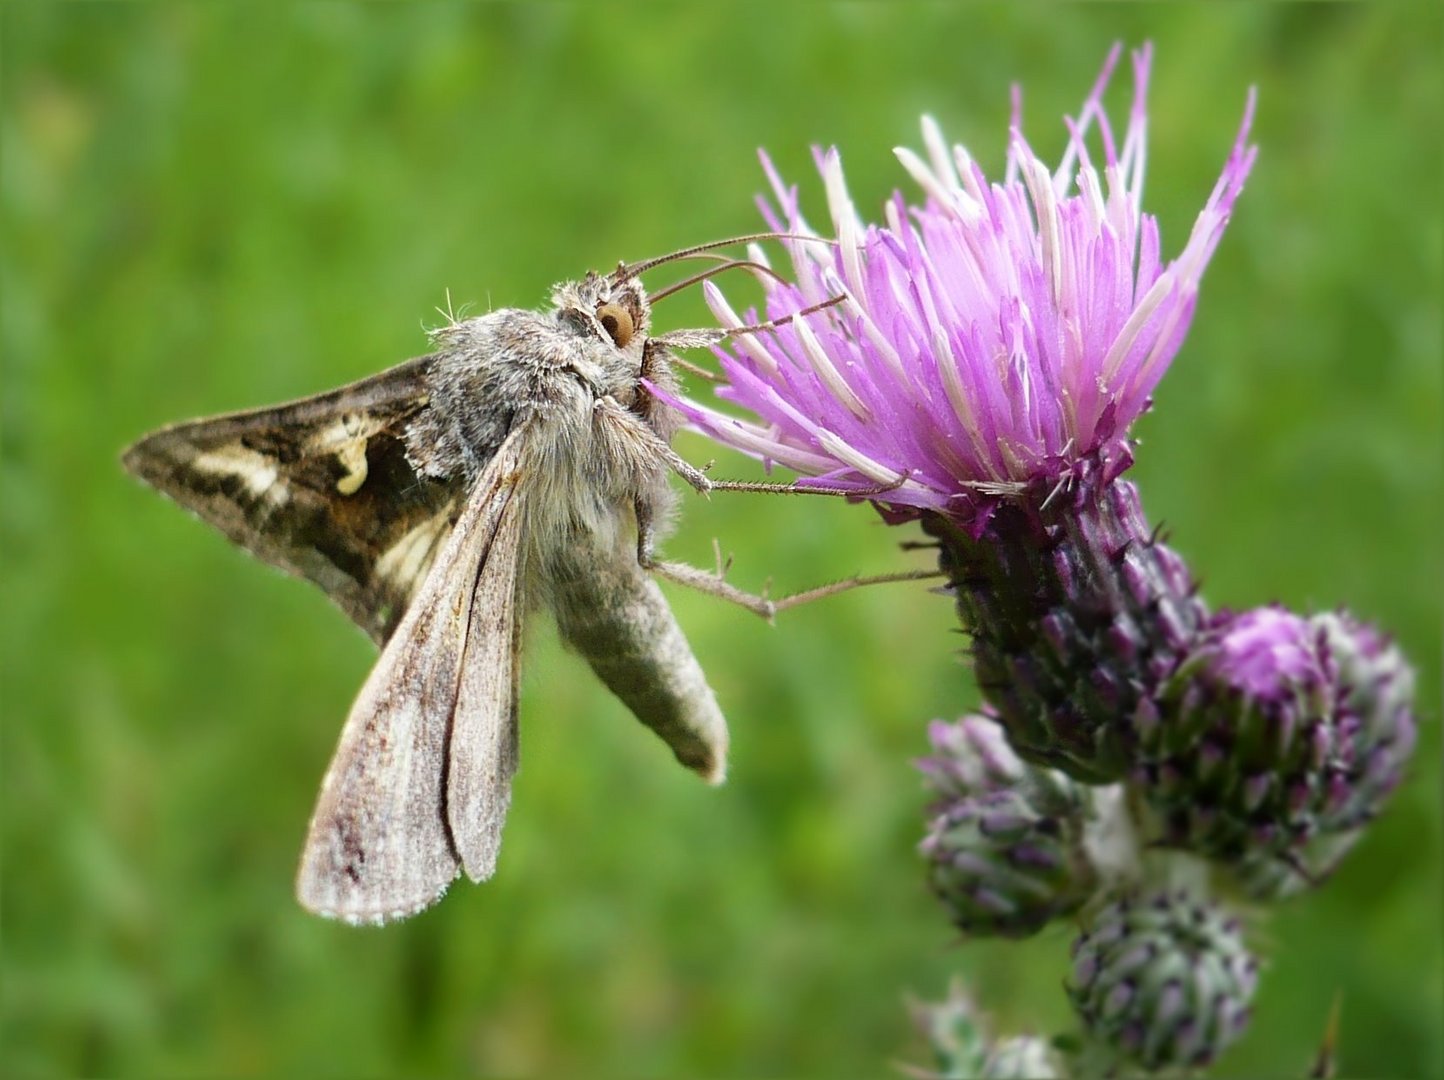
(1005, 846)
(1277, 742)
(963, 1048)
(1077, 615)
(970, 757)
(1163, 981)
(1020, 1057)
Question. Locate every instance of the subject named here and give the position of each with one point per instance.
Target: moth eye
(617, 323)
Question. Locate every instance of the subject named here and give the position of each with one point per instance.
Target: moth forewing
(380, 845)
(321, 487)
(482, 755)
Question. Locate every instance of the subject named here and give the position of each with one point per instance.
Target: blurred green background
(216, 206)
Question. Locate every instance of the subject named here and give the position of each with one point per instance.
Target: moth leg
(807, 596)
(711, 583)
(661, 347)
(691, 576)
(688, 339)
(639, 434)
(646, 532)
(687, 471)
(776, 488)
(635, 437)
(707, 582)
(695, 369)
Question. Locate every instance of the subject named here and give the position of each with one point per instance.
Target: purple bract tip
(1268, 653)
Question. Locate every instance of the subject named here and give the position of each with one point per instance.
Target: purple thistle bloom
(989, 340)
(988, 354)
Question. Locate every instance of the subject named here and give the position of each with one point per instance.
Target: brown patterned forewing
(320, 487)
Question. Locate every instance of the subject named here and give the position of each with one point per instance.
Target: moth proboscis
(523, 463)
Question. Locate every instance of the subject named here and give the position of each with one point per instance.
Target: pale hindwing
(379, 846)
(483, 751)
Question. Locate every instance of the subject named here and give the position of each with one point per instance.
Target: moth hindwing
(521, 464)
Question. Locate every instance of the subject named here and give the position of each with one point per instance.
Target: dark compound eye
(617, 323)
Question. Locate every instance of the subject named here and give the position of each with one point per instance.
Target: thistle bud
(1020, 1057)
(1162, 981)
(1005, 847)
(1077, 615)
(964, 1049)
(1277, 742)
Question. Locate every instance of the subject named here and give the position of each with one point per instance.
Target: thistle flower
(1001, 337)
(1163, 981)
(1277, 742)
(991, 349)
(1006, 847)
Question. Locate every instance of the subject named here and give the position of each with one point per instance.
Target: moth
(522, 464)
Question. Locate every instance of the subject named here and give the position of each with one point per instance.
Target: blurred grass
(215, 206)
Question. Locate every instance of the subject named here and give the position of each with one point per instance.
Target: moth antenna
(629, 270)
(773, 324)
(713, 271)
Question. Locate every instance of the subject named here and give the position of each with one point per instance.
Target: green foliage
(215, 206)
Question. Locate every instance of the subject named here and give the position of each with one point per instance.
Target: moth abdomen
(612, 612)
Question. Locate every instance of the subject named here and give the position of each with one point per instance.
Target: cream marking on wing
(346, 437)
(405, 559)
(258, 472)
(342, 431)
(352, 457)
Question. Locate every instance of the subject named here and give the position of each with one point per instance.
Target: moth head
(615, 311)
